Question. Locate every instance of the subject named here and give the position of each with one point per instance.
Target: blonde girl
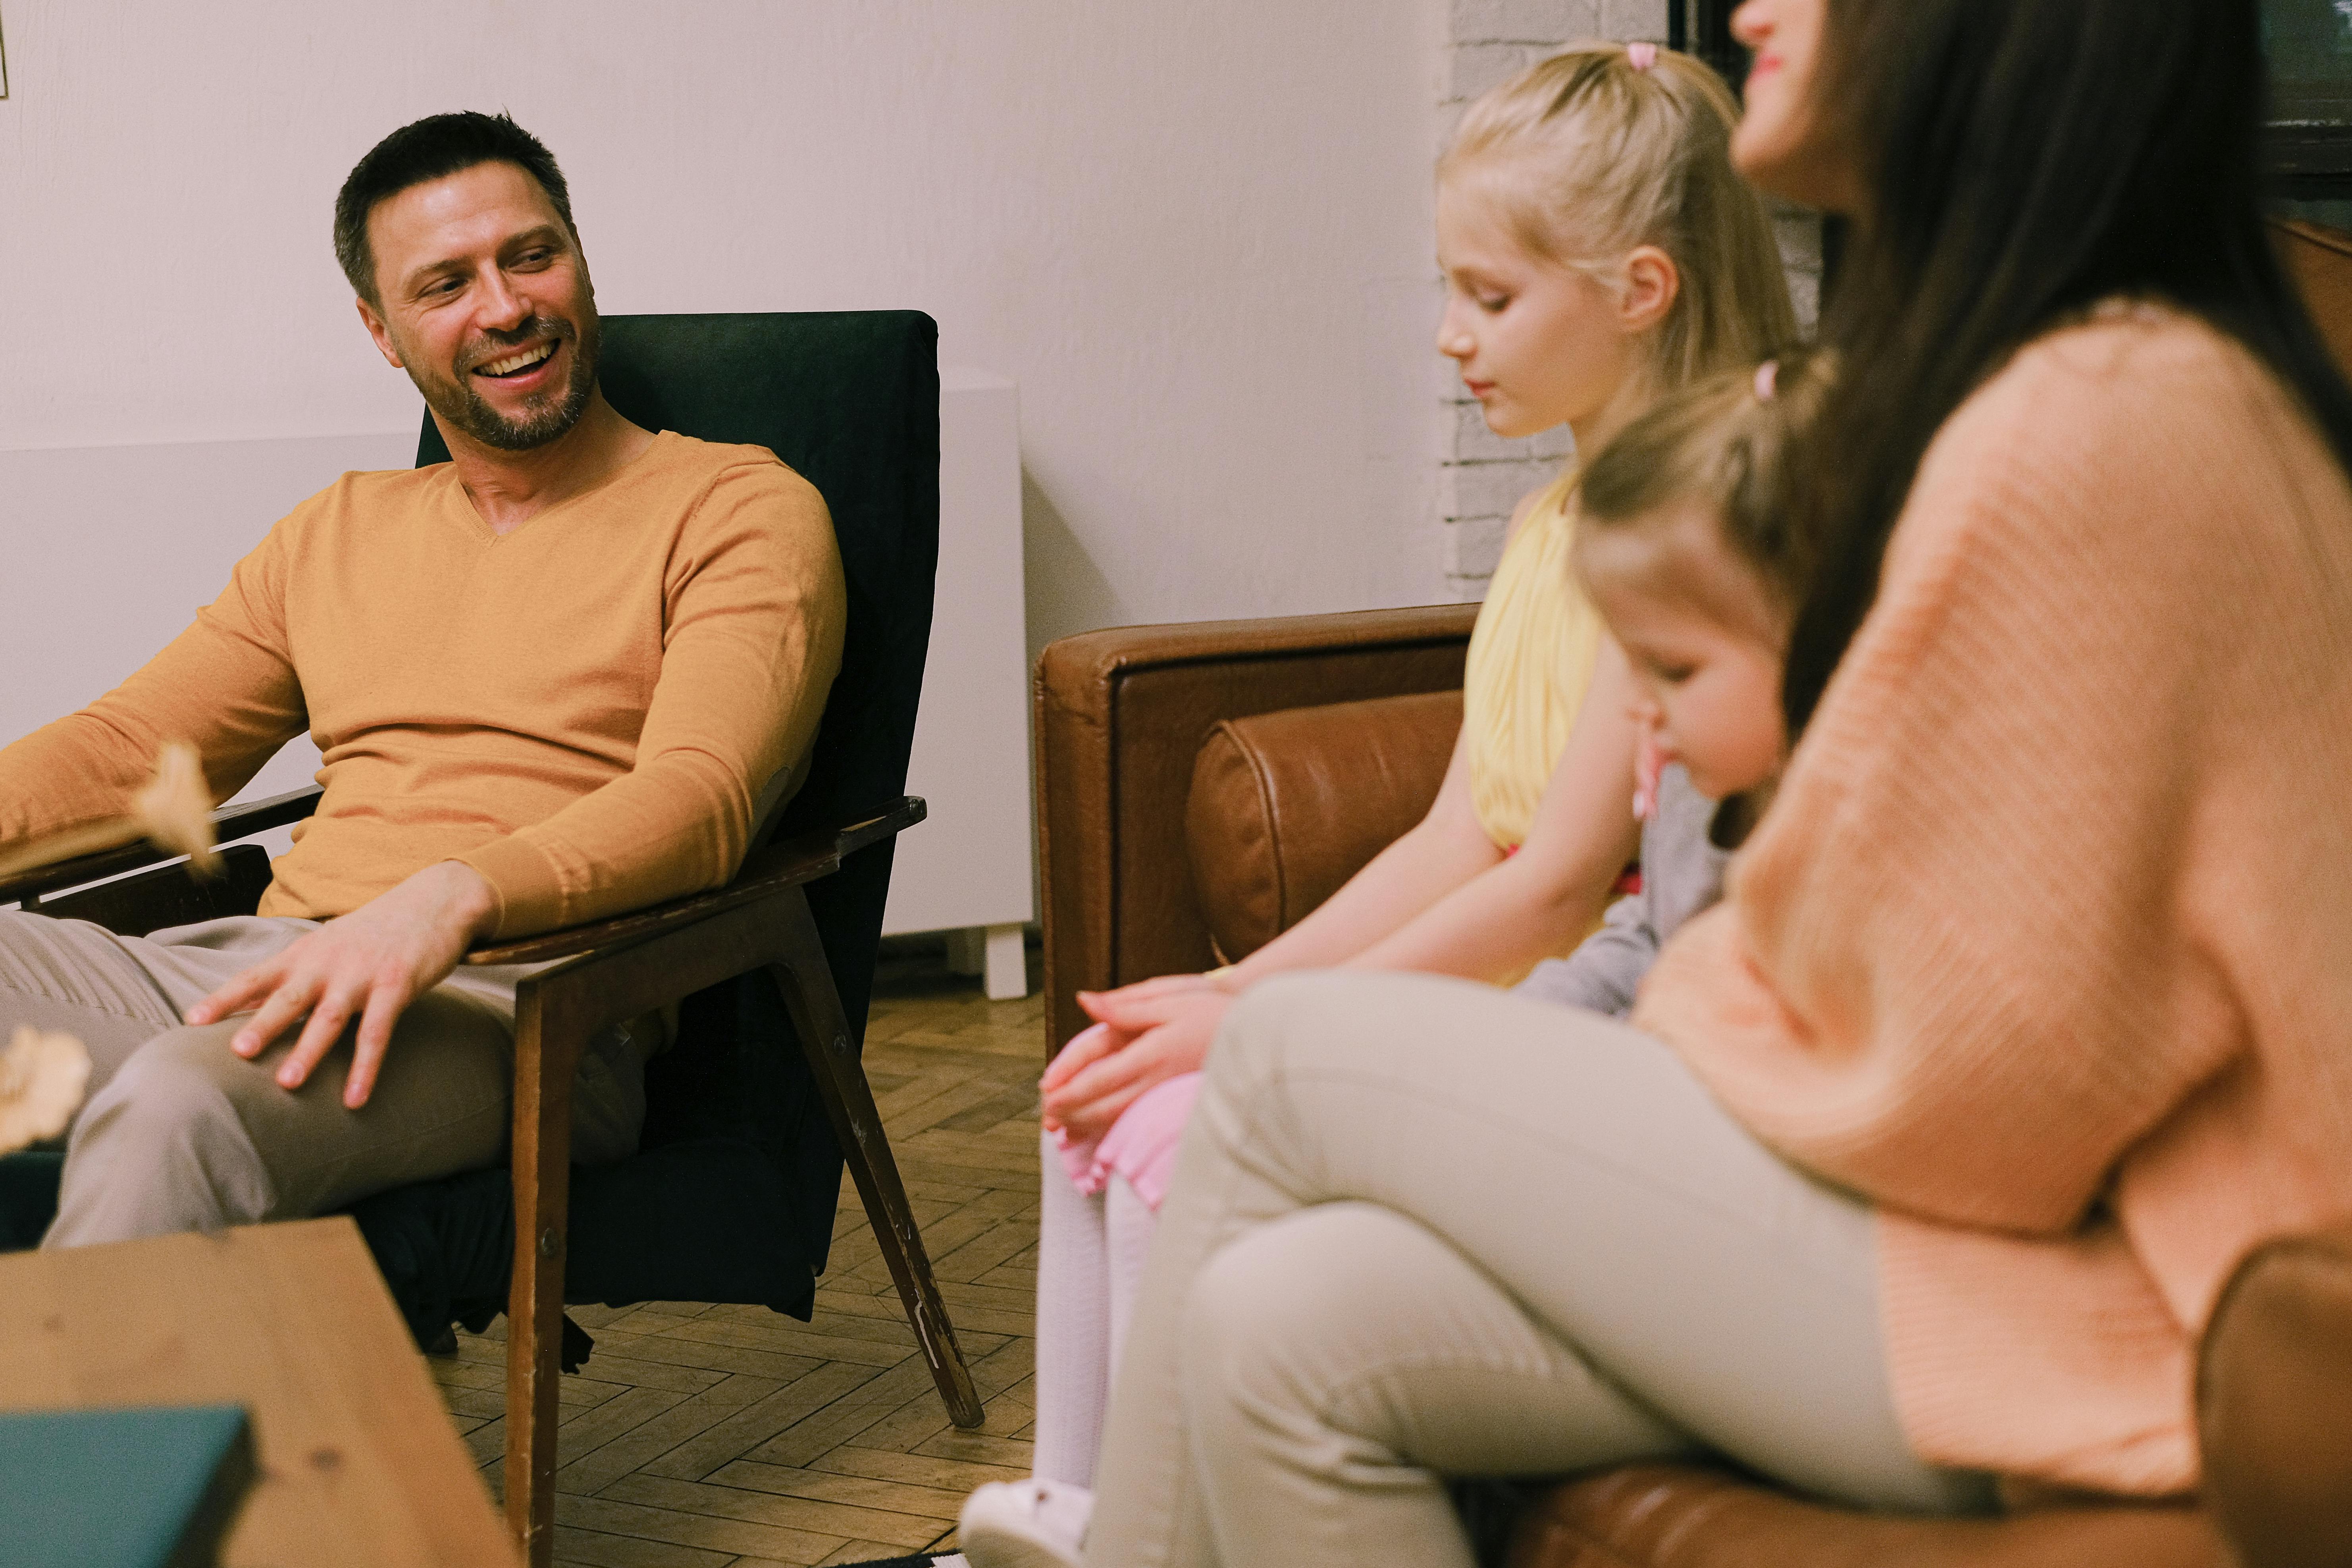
(1899, 1181)
(1598, 251)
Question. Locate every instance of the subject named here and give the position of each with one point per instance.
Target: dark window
(1704, 28)
(2310, 48)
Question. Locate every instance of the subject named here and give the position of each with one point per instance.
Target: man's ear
(1652, 284)
(373, 318)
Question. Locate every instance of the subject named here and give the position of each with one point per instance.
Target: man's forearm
(673, 827)
(65, 775)
(224, 686)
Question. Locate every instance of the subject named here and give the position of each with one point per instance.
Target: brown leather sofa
(1178, 766)
(1201, 787)
(1121, 719)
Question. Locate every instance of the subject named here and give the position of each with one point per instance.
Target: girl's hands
(1165, 985)
(1137, 1043)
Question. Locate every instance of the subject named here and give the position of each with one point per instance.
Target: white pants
(1090, 1252)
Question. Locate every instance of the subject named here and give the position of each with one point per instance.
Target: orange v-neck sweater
(584, 708)
(2046, 946)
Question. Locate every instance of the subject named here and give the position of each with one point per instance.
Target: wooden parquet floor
(700, 1437)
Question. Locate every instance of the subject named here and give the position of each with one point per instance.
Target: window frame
(1702, 27)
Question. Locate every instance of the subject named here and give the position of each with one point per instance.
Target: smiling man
(549, 681)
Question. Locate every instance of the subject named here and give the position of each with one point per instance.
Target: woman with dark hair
(2027, 1012)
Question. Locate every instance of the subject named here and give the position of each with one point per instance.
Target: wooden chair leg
(807, 983)
(547, 1053)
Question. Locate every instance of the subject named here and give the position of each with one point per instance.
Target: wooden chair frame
(600, 975)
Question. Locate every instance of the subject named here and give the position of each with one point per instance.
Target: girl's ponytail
(1605, 147)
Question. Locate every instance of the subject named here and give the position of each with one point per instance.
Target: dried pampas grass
(42, 1077)
(174, 811)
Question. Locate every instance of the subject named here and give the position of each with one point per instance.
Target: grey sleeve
(1682, 873)
(1607, 968)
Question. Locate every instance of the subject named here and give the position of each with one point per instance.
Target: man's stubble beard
(459, 404)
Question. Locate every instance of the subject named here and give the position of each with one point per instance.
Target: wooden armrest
(228, 822)
(764, 873)
(258, 816)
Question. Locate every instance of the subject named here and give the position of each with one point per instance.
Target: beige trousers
(1420, 1229)
(178, 1132)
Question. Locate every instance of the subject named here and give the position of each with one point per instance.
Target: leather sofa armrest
(2274, 1402)
(2320, 261)
(1120, 716)
(1287, 807)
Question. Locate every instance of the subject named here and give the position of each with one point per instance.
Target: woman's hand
(1135, 1045)
(371, 963)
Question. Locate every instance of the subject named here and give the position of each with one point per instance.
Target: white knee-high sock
(1074, 1326)
(1129, 1222)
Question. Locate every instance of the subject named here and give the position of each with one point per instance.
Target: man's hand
(373, 961)
(1134, 1046)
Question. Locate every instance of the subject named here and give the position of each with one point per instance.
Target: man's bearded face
(542, 348)
(486, 302)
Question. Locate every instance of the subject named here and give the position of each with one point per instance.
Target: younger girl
(1685, 546)
(1598, 251)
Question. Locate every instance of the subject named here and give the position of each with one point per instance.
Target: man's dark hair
(430, 149)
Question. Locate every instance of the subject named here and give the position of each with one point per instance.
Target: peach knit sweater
(583, 709)
(2046, 945)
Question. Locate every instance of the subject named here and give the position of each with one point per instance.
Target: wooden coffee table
(358, 1462)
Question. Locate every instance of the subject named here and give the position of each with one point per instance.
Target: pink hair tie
(1767, 381)
(1642, 56)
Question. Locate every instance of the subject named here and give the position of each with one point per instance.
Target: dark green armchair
(752, 1114)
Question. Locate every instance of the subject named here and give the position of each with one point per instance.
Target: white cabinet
(969, 869)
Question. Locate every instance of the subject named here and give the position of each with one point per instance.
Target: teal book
(153, 1488)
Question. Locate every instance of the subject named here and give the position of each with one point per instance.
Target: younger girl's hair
(1728, 444)
(1600, 148)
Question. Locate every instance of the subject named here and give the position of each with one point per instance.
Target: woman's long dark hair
(2020, 161)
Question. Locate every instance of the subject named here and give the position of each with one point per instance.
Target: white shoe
(1033, 1523)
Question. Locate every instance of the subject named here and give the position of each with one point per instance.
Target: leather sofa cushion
(1285, 806)
(1669, 1516)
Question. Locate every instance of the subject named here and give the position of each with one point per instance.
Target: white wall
(1198, 237)
(109, 553)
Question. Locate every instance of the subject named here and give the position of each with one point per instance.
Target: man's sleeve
(755, 607)
(226, 686)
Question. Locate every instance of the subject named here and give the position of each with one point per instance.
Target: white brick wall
(1482, 477)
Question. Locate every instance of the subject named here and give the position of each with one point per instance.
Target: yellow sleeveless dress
(1531, 658)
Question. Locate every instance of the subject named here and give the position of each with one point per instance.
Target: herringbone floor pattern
(702, 1437)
